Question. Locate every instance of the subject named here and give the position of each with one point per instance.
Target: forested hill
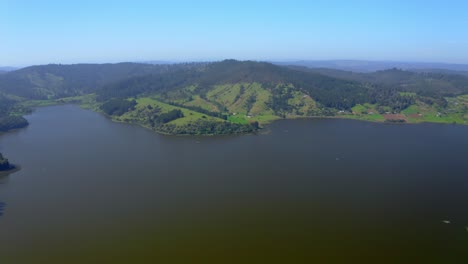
(8, 119)
(55, 80)
(238, 96)
(424, 82)
(332, 92)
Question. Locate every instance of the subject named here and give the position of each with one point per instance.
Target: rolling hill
(239, 96)
(55, 80)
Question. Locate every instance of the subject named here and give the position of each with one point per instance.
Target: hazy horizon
(285, 61)
(115, 31)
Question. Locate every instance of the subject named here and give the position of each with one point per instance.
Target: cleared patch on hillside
(140, 114)
(202, 103)
(244, 102)
(301, 103)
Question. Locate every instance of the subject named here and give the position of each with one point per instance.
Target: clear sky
(61, 31)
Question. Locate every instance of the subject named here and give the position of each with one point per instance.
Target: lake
(325, 190)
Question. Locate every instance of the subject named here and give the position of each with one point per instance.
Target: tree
(254, 124)
(118, 107)
(4, 164)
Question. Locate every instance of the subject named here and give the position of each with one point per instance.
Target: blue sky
(40, 32)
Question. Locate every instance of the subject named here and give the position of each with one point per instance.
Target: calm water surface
(330, 191)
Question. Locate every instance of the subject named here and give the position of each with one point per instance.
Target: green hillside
(10, 113)
(233, 96)
(57, 81)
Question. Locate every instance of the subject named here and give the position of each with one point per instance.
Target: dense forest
(118, 106)
(202, 127)
(235, 96)
(7, 120)
(57, 81)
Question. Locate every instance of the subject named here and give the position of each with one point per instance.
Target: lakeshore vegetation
(231, 97)
(5, 164)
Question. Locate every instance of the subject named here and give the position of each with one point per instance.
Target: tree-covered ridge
(237, 96)
(57, 81)
(174, 78)
(12, 122)
(331, 92)
(424, 83)
(7, 120)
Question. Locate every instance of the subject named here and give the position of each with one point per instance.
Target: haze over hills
(345, 65)
(57, 80)
(7, 69)
(235, 96)
(372, 66)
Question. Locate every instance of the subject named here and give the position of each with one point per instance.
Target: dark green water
(321, 191)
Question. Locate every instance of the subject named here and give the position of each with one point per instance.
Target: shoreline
(15, 168)
(257, 132)
(264, 128)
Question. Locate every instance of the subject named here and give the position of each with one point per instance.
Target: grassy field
(242, 102)
(365, 109)
(235, 98)
(411, 110)
(420, 112)
(137, 115)
(238, 100)
(366, 112)
(202, 103)
(454, 113)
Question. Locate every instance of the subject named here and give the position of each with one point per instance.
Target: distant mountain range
(7, 69)
(156, 62)
(345, 65)
(372, 66)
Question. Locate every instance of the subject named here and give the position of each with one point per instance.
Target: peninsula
(231, 97)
